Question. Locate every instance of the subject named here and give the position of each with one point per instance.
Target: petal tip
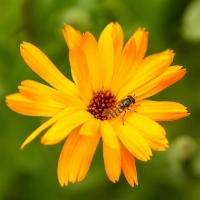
(22, 147)
(43, 141)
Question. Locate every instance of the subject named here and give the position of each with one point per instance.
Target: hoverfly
(119, 107)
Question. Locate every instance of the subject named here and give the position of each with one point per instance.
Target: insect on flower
(106, 74)
(119, 107)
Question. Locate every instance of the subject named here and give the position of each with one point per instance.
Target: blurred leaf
(191, 22)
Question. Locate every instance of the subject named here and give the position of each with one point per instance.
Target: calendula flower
(107, 100)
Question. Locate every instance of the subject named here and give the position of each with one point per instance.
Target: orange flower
(107, 100)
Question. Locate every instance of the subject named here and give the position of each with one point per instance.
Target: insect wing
(109, 110)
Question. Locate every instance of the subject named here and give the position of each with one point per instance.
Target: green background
(31, 174)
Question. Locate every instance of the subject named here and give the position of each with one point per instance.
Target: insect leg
(123, 117)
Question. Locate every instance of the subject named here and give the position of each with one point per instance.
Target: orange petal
(42, 94)
(90, 128)
(123, 66)
(45, 125)
(128, 166)
(92, 54)
(62, 128)
(20, 104)
(144, 90)
(42, 66)
(112, 162)
(65, 156)
(106, 48)
(146, 73)
(145, 124)
(155, 143)
(79, 67)
(118, 40)
(81, 157)
(72, 36)
(117, 36)
(152, 132)
(162, 110)
(141, 40)
(149, 58)
(108, 135)
(164, 80)
(132, 140)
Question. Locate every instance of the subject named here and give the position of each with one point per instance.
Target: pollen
(101, 101)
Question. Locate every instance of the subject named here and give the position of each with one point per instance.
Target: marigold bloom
(104, 73)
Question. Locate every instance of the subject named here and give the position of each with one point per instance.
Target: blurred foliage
(31, 174)
(191, 18)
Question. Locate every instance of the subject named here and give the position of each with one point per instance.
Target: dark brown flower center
(101, 101)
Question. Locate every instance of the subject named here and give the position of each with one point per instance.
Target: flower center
(101, 101)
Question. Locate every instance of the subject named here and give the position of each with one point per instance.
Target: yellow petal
(141, 92)
(128, 166)
(141, 40)
(155, 143)
(62, 128)
(42, 66)
(45, 95)
(145, 73)
(132, 140)
(152, 132)
(146, 125)
(65, 156)
(79, 67)
(41, 94)
(48, 123)
(90, 128)
(155, 56)
(92, 54)
(81, 157)
(162, 110)
(118, 40)
(20, 104)
(109, 28)
(72, 36)
(123, 66)
(164, 80)
(108, 135)
(112, 162)
(106, 48)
